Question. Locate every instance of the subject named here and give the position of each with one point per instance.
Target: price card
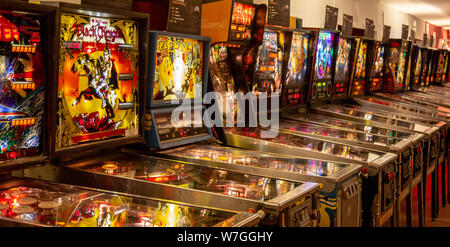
(405, 31)
(413, 36)
(425, 40)
(386, 33)
(347, 25)
(370, 29)
(331, 16)
(279, 13)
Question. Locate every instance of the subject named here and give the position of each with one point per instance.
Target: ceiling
(437, 12)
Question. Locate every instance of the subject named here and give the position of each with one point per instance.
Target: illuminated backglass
(178, 69)
(98, 80)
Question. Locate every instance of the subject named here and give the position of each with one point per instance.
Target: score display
(22, 85)
(98, 80)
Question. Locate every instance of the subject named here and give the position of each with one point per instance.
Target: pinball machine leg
(397, 202)
(444, 201)
(425, 165)
(448, 168)
(447, 160)
(397, 212)
(408, 209)
(421, 212)
(433, 195)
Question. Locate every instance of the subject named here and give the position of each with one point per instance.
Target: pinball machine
(352, 132)
(362, 121)
(386, 109)
(98, 95)
(167, 133)
(24, 84)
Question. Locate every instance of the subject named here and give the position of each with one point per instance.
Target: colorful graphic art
(298, 59)
(98, 80)
(360, 70)
(178, 69)
(324, 54)
(395, 67)
(379, 61)
(444, 72)
(440, 66)
(269, 63)
(22, 79)
(342, 62)
(401, 69)
(418, 63)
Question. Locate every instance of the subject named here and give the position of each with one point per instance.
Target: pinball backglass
(178, 69)
(220, 70)
(377, 68)
(324, 55)
(269, 62)
(343, 59)
(298, 60)
(22, 85)
(297, 73)
(342, 73)
(440, 67)
(395, 66)
(241, 22)
(98, 89)
(360, 70)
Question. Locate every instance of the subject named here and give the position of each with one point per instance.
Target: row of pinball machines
(321, 77)
(65, 124)
(346, 151)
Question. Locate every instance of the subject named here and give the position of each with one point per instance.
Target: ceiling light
(413, 8)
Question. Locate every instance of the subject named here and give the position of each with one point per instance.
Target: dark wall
(158, 10)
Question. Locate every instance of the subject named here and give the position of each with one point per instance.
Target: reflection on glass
(257, 159)
(384, 118)
(349, 125)
(306, 143)
(196, 177)
(58, 205)
(343, 134)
